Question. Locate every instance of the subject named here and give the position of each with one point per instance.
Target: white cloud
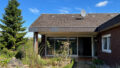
(30, 35)
(101, 4)
(64, 10)
(34, 10)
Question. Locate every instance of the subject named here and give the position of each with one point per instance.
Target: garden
(24, 57)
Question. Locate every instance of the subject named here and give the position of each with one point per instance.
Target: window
(73, 46)
(106, 46)
(54, 45)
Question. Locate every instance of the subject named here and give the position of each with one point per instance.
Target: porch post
(35, 43)
(45, 46)
(92, 46)
(77, 46)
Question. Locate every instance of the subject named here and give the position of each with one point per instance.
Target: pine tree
(12, 34)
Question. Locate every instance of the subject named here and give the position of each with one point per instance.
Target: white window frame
(108, 50)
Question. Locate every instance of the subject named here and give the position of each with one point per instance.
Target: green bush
(69, 65)
(8, 53)
(4, 61)
(33, 60)
(56, 59)
(97, 61)
(29, 57)
(5, 56)
(20, 54)
(92, 66)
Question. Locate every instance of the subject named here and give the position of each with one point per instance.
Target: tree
(12, 34)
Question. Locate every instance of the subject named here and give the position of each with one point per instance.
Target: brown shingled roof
(109, 24)
(70, 22)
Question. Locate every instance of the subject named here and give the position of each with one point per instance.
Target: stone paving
(88, 64)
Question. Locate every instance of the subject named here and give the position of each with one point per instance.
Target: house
(95, 35)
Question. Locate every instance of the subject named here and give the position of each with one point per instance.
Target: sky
(32, 9)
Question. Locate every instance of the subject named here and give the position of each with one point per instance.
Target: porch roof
(70, 22)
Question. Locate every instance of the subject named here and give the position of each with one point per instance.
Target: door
(73, 46)
(84, 46)
(50, 46)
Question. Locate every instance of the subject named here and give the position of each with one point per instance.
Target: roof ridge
(75, 13)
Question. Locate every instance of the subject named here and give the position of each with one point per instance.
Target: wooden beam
(35, 42)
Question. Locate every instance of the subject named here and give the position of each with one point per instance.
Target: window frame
(107, 50)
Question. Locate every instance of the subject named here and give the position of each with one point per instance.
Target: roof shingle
(87, 24)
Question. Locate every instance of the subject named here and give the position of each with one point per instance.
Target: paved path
(86, 64)
(82, 64)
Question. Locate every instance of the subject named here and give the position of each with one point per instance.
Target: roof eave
(108, 28)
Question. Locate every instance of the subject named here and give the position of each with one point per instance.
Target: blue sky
(31, 9)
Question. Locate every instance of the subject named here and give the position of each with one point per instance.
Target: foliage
(92, 66)
(12, 30)
(7, 53)
(5, 57)
(4, 61)
(69, 65)
(97, 62)
(20, 54)
(36, 61)
(56, 59)
(63, 51)
(28, 56)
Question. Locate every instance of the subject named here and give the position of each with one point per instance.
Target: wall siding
(114, 57)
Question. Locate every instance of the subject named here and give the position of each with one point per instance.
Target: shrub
(97, 61)
(92, 66)
(20, 54)
(63, 51)
(69, 65)
(5, 57)
(4, 61)
(8, 53)
(29, 57)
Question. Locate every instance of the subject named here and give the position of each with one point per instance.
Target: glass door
(55, 45)
(50, 46)
(73, 46)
